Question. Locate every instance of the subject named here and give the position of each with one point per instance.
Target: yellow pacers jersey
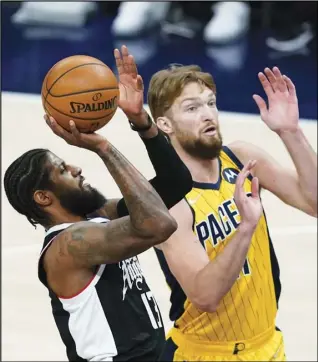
(250, 307)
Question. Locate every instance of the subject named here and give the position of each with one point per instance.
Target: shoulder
(246, 151)
(240, 148)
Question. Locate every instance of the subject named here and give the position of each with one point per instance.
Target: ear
(165, 124)
(43, 198)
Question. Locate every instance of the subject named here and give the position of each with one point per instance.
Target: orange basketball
(82, 89)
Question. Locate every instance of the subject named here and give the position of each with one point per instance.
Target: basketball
(82, 89)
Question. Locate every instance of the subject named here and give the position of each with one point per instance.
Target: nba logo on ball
(82, 89)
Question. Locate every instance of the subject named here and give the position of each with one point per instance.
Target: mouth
(83, 183)
(210, 131)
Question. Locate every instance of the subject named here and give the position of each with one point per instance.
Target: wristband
(142, 129)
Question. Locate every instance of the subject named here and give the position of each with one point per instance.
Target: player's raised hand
(92, 141)
(282, 113)
(249, 207)
(130, 84)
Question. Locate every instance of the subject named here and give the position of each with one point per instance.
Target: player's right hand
(92, 141)
(131, 87)
(249, 207)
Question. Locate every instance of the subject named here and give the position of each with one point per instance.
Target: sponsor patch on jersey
(230, 175)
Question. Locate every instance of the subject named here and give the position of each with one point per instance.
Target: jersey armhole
(193, 213)
(233, 157)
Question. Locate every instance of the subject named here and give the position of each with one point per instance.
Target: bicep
(87, 244)
(183, 252)
(283, 182)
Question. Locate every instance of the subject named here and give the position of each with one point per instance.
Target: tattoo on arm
(87, 244)
(143, 202)
(91, 244)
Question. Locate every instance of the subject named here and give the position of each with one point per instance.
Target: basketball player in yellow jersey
(220, 264)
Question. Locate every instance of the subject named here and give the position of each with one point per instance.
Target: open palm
(282, 113)
(130, 83)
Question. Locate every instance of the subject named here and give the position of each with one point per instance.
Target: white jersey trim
(88, 324)
(66, 225)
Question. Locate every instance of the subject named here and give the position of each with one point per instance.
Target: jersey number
(156, 322)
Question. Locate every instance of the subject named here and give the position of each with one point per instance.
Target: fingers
(261, 104)
(245, 172)
(140, 83)
(266, 85)
(55, 127)
(125, 62)
(119, 62)
(290, 85)
(272, 79)
(60, 131)
(255, 188)
(280, 80)
(75, 132)
(132, 66)
(125, 57)
(239, 193)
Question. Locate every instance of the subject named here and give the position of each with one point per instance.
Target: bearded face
(193, 122)
(205, 143)
(80, 201)
(69, 187)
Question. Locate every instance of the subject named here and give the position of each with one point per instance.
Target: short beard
(203, 150)
(81, 202)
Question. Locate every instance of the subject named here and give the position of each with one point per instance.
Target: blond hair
(167, 84)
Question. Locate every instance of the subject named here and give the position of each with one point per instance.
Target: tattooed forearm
(86, 244)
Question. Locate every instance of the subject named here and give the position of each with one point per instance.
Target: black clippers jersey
(114, 318)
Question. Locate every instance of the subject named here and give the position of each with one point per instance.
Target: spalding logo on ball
(83, 89)
(94, 106)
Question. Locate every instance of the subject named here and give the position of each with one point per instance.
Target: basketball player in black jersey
(101, 303)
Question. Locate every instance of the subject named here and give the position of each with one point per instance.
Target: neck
(201, 170)
(61, 216)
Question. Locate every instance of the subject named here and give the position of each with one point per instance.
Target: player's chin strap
(142, 129)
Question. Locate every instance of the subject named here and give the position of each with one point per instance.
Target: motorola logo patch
(230, 175)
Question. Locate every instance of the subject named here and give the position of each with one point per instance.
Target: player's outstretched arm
(296, 188)
(86, 244)
(173, 179)
(206, 282)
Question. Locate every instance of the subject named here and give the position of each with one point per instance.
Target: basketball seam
(84, 91)
(83, 119)
(62, 75)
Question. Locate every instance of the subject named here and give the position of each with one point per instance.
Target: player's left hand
(131, 86)
(282, 113)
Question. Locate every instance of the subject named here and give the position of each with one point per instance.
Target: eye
(62, 168)
(212, 103)
(192, 109)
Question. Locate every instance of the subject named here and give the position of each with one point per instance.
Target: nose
(207, 114)
(76, 171)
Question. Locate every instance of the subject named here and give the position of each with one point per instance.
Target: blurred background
(232, 40)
